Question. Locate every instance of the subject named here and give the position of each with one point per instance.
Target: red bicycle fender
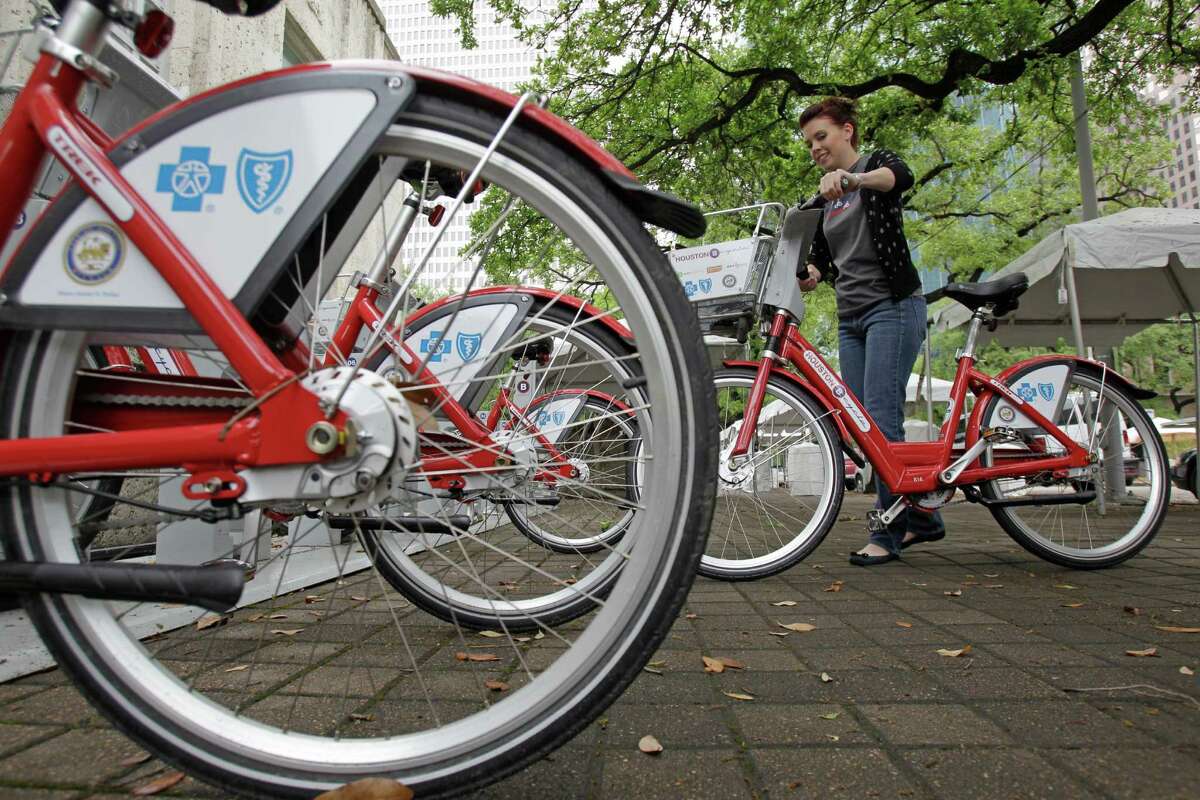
(585, 309)
(1097, 367)
(807, 387)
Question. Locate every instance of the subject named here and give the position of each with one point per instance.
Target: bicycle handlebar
(237, 8)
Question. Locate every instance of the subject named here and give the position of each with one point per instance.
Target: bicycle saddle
(1001, 293)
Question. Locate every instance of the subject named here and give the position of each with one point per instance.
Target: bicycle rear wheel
(1081, 536)
(317, 684)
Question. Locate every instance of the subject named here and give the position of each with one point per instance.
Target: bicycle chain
(167, 400)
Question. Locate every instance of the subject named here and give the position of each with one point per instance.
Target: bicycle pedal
(875, 521)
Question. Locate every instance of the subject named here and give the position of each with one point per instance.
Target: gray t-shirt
(860, 281)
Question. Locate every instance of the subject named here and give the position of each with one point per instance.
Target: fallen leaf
(713, 664)
(1133, 610)
(1149, 652)
(969, 583)
(317, 614)
(287, 632)
(210, 621)
(649, 745)
(991, 574)
(826, 678)
(652, 670)
(691, 616)
(160, 784)
(1128, 723)
(1072, 605)
(799, 627)
(523, 639)
(785, 603)
(1186, 671)
(496, 686)
(134, 760)
(955, 593)
(831, 737)
(993, 586)
(779, 633)
(739, 695)
(362, 717)
(476, 657)
(832, 715)
(255, 617)
(358, 598)
(1064, 586)
(238, 668)
(312, 598)
(903, 624)
(277, 616)
(1177, 629)
(369, 789)
(491, 634)
(836, 586)
(731, 663)
(657, 664)
(962, 651)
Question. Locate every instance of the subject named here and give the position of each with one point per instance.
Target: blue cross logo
(191, 179)
(443, 347)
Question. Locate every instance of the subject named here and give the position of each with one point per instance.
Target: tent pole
(1175, 263)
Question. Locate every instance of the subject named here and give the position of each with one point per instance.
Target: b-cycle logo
(262, 177)
(191, 179)
(94, 253)
(839, 391)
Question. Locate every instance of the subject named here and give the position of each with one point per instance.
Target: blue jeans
(878, 349)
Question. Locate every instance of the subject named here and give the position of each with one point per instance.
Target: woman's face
(829, 143)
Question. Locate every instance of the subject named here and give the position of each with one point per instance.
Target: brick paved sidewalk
(896, 720)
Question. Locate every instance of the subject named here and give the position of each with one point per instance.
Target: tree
(701, 98)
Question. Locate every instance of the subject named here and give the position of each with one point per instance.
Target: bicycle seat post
(982, 316)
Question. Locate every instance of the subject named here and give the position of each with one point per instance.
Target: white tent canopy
(916, 387)
(1132, 269)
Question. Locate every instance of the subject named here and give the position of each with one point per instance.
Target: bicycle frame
(906, 467)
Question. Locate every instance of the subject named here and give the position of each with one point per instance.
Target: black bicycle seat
(1001, 293)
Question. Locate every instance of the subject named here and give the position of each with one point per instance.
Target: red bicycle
(1030, 450)
(216, 228)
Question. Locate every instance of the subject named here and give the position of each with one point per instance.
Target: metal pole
(1196, 397)
(929, 378)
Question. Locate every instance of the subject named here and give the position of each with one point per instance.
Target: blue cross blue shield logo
(262, 177)
(1046, 390)
(706, 285)
(428, 347)
(468, 344)
(689, 288)
(1026, 392)
(191, 179)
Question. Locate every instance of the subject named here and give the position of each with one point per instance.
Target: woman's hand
(810, 283)
(831, 184)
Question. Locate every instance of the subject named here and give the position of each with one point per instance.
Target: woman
(860, 248)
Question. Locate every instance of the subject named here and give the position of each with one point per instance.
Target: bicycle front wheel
(777, 504)
(317, 684)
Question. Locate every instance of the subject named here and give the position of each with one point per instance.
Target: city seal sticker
(94, 253)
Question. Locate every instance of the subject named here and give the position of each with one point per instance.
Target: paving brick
(937, 724)
(831, 772)
(991, 773)
(675, 773)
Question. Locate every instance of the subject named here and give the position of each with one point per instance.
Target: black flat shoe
(863, 560)
(933, 537)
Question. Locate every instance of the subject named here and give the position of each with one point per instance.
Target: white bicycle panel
(466, 347)
(715, 270)
(1042, 388)
(227, 186)
(554, 417)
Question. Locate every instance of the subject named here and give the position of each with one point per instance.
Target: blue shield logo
(262, 177)
(706, 285)
(467, 345)
(1026, 392)
(558, 417)
(1046, 390)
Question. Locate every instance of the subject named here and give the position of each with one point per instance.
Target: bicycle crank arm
(217, 587)
(449, 525)
(1079, 498)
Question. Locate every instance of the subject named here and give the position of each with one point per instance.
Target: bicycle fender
(650, 205)
(800, 383)
(243, 175)
(1097, 368)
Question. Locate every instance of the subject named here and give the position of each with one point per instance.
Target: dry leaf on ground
(836, 586)
(785, 603)
(287, 631)
(799, 627)
(476, 657)
(1149, 652)
(369, 789)
(238, 668)
(357, 717)
(962, 651)
(691, 616)
(652, 670)
(134, 760)
(1134, 610)
(210, 621)
(739, 696)
(312, 598)
(779, 633)
(1064, 586)
(1186, 671)
(954, 593)
(731, 663)
(713, 664)
(1072, 605)
(832, 715)
(358, 598)
(904, 624)
(826, 678)
(159, 784)
(491, 634)
(649, 745)
(277, 616)
(496, 686)
(1177, 629)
